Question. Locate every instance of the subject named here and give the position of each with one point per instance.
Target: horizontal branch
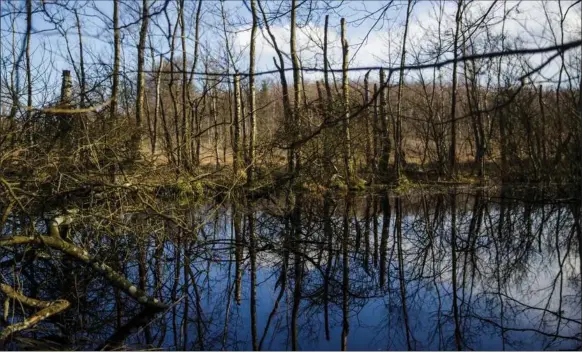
(51, 309)
(494, 54)
(48, 309)
(82, 255)
(27, 301)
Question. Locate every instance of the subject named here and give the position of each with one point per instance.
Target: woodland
(334, 143)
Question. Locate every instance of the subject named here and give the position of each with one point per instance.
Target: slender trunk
(195, 119)
(346, 109)
(185, 287)
(236, 218)
(174, 292)
(283, 284)
(185, 126)
(298, 269)
(236, 157)
(28, 66)
(114, 89)
(328, 232)
(385, 205)
(243, 127)
(281, 68)
(326, 61)
(116, 58)
(327, 147)
(398, 152)
(139, 108)
(83, 83)
(453, 199)
(179, 146)
(472, 89)
(167, 135)
(252, 106)
(453, 148)
(503, 145)
(401, 279)
(323, 118)
(368, 122)
(345, 278)
(385, 155)
(214, 114)
(375, 231)
(543, 128)
(375, 134)
(143, 274)
(253, 255)
(14, 80)
(295, 154)
(154, 128)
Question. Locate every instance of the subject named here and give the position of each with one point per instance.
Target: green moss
(183, 186)
(338, 183)
(241, 176)
(311, 187)
(198, 188)
(358, 183)
(405, 185)
(468, 178)
(188, 190)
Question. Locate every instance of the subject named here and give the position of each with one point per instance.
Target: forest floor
(210, 178)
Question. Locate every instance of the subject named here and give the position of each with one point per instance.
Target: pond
(467, 269)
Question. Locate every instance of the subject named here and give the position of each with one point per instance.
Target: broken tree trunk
(82, 255)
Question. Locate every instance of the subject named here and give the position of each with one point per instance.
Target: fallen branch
(82, 255)
(48, 309)
(27, 301)
(5, 215)
(53, 309)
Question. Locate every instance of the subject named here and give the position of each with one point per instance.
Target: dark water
(466, 270)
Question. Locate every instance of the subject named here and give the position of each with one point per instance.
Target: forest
(290, 174)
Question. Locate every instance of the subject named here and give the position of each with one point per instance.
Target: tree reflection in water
(467, 270)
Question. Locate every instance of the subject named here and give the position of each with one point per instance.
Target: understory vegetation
(127, 126)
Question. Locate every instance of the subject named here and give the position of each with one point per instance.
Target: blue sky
(373, 40)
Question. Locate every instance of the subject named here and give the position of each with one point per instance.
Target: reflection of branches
(537, 331)
(527, 306)
(49, 309)
(494, 247)
(83, 256)
(143, 318)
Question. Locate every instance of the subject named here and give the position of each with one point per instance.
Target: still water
(464, 269)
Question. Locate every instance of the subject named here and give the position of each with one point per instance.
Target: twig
(48, 309)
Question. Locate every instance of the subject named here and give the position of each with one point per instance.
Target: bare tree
(453, 118)
(398, 151)
(139, 103)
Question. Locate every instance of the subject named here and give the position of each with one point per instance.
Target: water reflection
(462, 270)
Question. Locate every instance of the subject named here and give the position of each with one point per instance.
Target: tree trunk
(453, 147)
(398, 152)
(346, 107)
(185, 126)
(295, 154)
(252, 96)
(179, 146)
(29, 68)
(139, 108)
(116, 59)
(236, 157)
(384, 158)
(368, 122)
(345, 277)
